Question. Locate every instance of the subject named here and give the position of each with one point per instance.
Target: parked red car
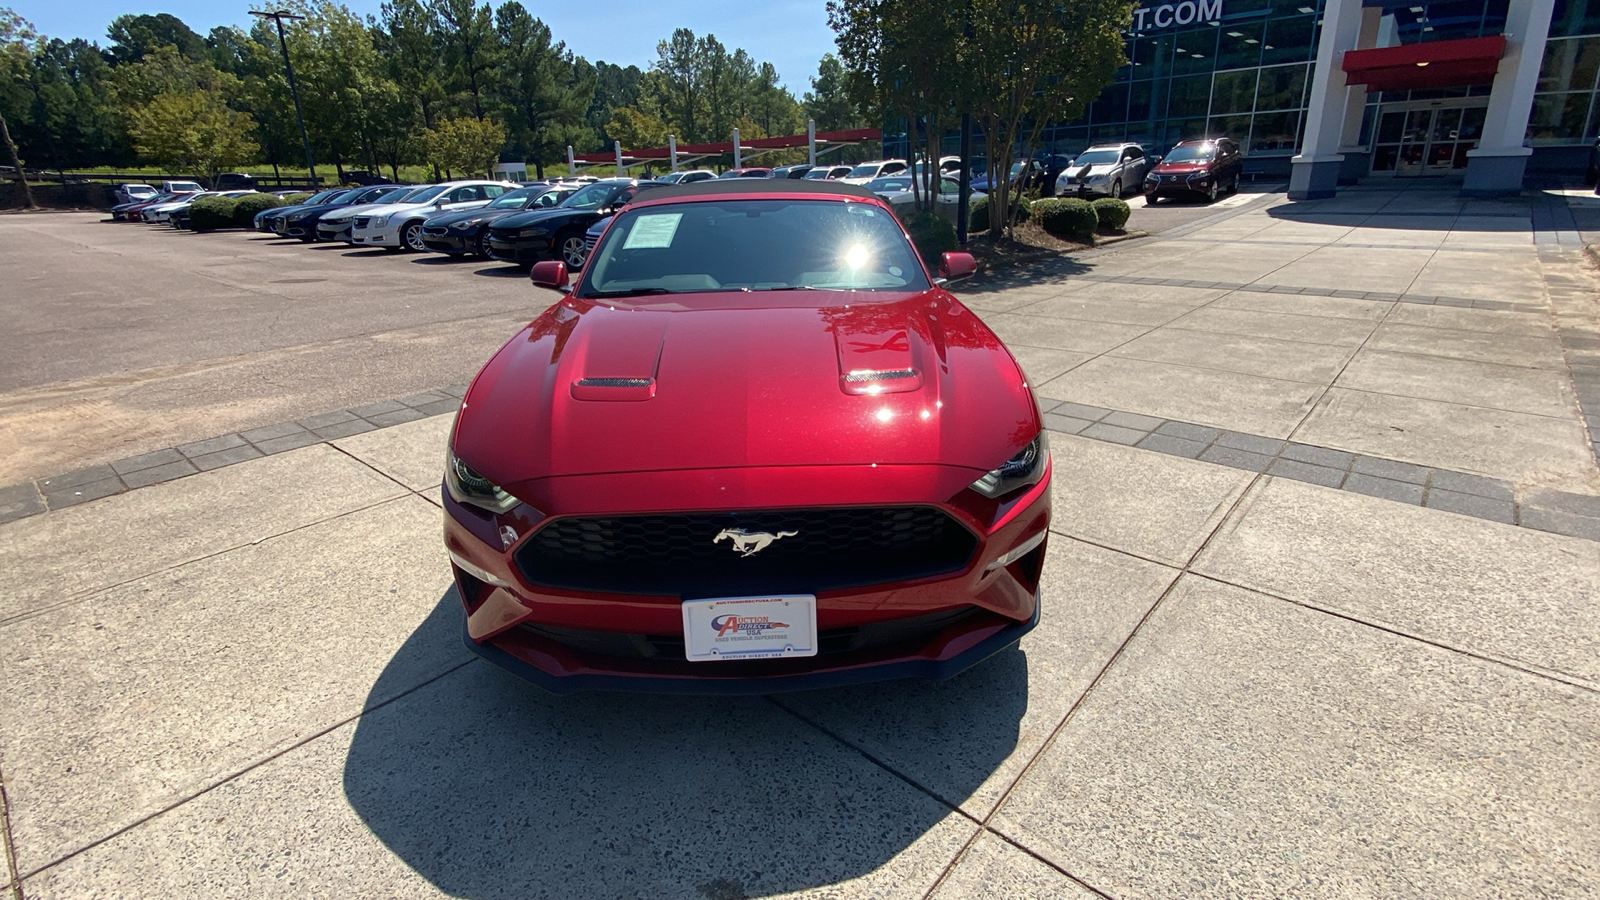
(1195, 168)
(136, 213)
(756, 447)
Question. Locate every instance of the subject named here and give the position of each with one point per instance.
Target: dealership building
(1325, 92)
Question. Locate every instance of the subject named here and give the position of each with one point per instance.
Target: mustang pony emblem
(749, 543)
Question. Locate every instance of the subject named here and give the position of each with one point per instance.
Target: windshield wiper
(629, 292)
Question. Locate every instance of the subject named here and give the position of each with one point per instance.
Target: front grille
(361, 221)
(276, 223)
(435, 230)
(589, 241)
(911, 632)
(501, 234)
(676, 555)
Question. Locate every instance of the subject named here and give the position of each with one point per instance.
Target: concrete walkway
(248, 682)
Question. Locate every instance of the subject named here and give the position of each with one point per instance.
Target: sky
(790, 34)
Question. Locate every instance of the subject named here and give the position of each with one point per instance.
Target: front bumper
(386, 236)
(450, 241)
(1076, 189)
(567, 641)
(1182, 186)
(334, 231)
(519, 250)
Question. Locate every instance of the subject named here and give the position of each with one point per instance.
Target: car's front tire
(1151, 199)
(571, 250)
(483, 245)
(1116, 189)
(411, 238)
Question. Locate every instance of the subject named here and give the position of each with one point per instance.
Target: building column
(1314, 172)
(1496, 166)
(1357, 156)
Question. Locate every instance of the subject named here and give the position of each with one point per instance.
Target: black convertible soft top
(757, 186)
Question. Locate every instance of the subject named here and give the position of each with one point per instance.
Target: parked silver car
(1107, 170)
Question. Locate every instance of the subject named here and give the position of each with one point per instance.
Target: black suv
(527, 237)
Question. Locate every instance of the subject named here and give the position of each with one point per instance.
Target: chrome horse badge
(749, 543)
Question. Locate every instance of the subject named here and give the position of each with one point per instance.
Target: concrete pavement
(248, 681)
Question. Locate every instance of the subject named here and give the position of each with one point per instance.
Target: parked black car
(265, 217)
(365, 178)
(527, 237)
(467, 231)
(301, 221)
(790, 171)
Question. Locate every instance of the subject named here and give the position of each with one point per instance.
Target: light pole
(278, 16)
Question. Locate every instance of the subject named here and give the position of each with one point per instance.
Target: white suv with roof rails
(865, 172)
(1110, 170)
(398, 226)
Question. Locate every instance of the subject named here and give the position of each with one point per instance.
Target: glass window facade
(1566, 109)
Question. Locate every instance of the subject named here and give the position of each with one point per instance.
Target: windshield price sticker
(653, 232)
(750, 628)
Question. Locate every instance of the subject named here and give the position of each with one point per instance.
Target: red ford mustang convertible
(754, 448)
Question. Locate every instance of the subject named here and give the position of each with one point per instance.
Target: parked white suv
(398, 226)
(865, 172)
(1107, 169)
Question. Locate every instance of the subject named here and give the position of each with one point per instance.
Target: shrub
(1068, 217)
(211, 213)
(931, 235)
(246, 207)
(978, 211)
(1113, 213)
(294, 199)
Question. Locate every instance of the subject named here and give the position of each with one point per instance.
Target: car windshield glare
(1192, 153)
(347, 196)
(424, 194)
(1096, 158)
(753, 245)
(888, 185)
(591, 196)
(867, 171)
(515, 199)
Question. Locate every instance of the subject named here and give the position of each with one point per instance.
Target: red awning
(783, 142)
(1433, 64)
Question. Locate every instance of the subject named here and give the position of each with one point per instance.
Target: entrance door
(1426, 140)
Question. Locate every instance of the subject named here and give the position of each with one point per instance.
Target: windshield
(888, 185)
(1097, 157)
(323, 197)
(867, 171)
(392, 195)
(817, 175)
(347, 196)
(424, 194)
(515, 199)
(753, 245)
(592, 196)
(1191, 153)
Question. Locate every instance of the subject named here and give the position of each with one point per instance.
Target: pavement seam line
(1029, 851)
(90, 593)
(1556, 675)
(1050, 740)
(9, 840)
(227, 779)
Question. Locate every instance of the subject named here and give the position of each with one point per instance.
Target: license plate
(750, 627)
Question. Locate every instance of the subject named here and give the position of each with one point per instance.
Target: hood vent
(881, 381)
(614, 389)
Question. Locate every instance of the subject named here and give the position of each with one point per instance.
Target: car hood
(389, 209)
(450, 217)
(530, 216)
(350, 212)
(730, 380)
(1087, 172)
(1182, 168)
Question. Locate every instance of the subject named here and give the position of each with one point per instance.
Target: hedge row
(1078, 220)
(211, 213)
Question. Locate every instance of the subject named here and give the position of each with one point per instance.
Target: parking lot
(1319, 609)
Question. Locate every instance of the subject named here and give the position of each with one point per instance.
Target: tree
(614, 86)
(467, 34)
(15, 33)
(192, 131)
(133, 36)
(827, 103)
(464, 145)
(636, 129)
(678, 82)
(542, 91)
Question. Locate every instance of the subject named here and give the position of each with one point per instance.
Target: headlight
(1026, 468)
(379, 222)
(467, 486)
(470, 223)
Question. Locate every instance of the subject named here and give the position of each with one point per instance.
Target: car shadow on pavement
(369, 253)
(1019, 275)
(505, 271)
(488, 787)
(443, 259)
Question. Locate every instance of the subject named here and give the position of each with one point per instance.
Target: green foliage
(978, 211)
(1113, 213)
(133, 36)
(931, 234)
(246, 207)
(192, 132)
(636, 129)
(294, 199)
(1067, 217)
(464, 146)
(211, 213)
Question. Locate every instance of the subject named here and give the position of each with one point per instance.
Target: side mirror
(957, 264)
(550, 273)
